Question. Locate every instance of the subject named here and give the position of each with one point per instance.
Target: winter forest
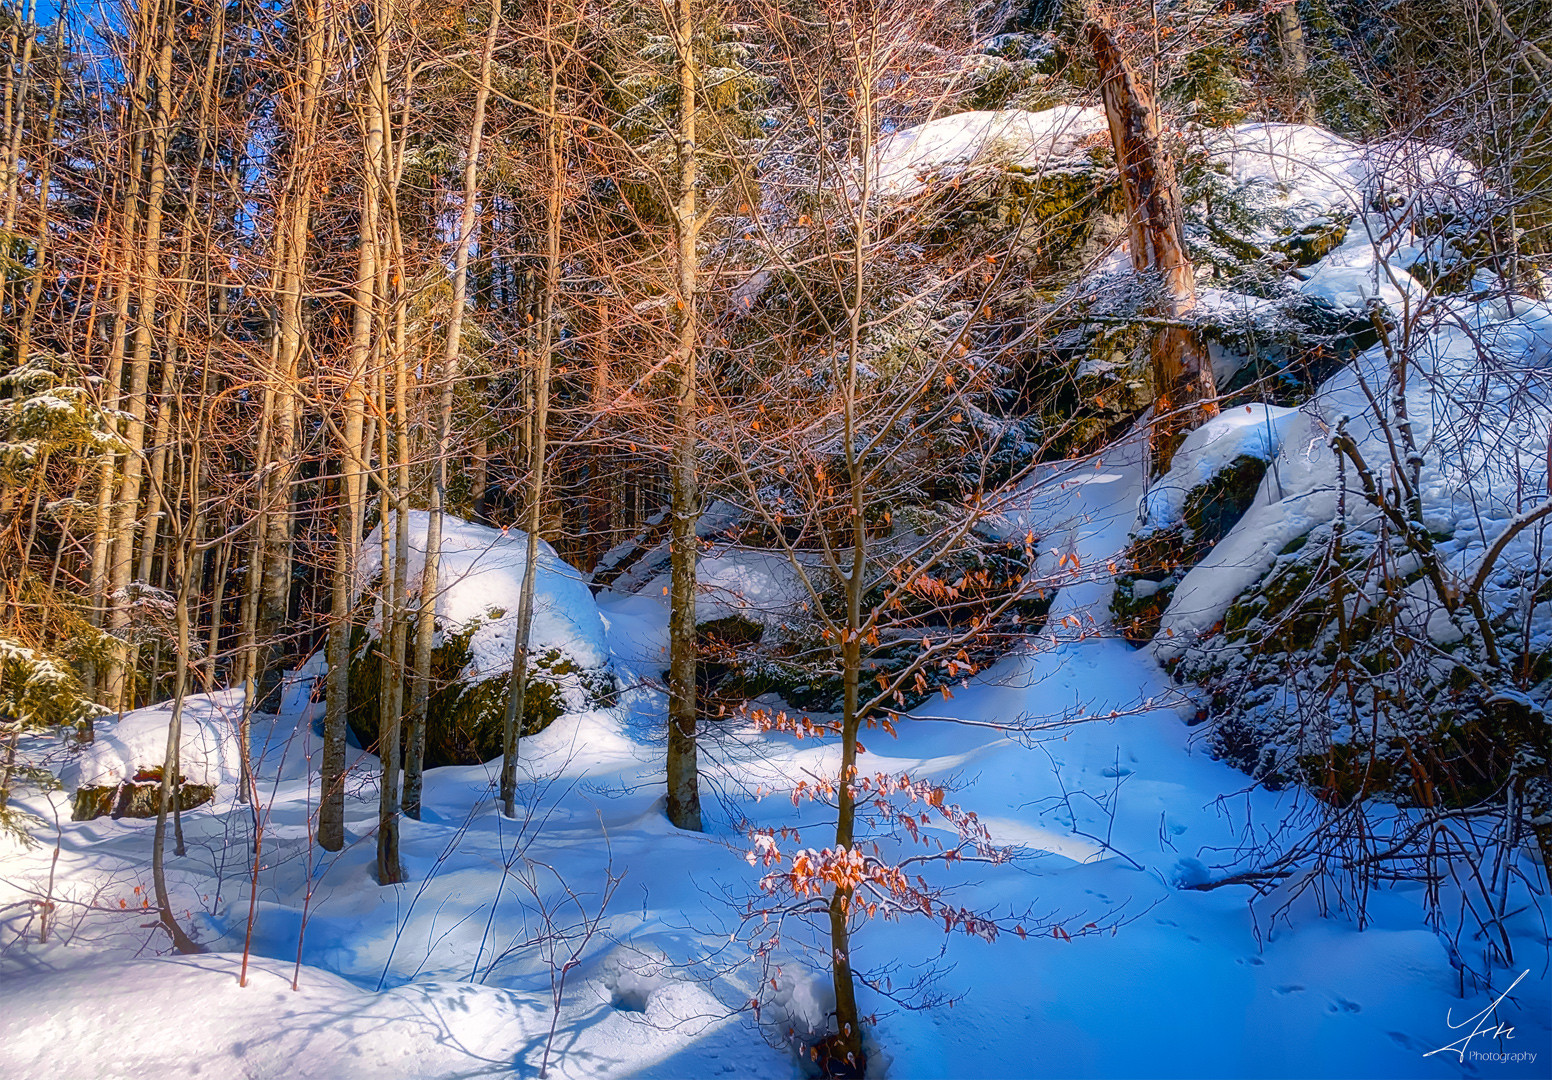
(910, 539)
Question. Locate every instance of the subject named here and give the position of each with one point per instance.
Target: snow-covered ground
(450, 974)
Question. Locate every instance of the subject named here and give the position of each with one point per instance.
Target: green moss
(1286, 659)
(1315, 240)
(1156, 563)
(465, 719)
(1047, 212)
(1215, 507)
(1137, 606)
(140, 798)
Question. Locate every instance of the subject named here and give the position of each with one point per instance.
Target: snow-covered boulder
(905, 162)
(1294, 175)
(1366, 217)
(120, 772)
(759, 633)
(1346, 649)
(1215, 475)
(481, 579)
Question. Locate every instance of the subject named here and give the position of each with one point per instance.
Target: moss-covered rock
(1042, 214)
(482, 577)
(1311, 682)
(139, 797)
(466, 716)
(1156, 562)
(786, 653)
(1316, 239)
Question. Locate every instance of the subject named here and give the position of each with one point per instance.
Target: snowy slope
(1112, 814)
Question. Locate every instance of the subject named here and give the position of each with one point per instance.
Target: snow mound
(1249, 431)
(481, 583)
(1478, 399)
(761, 586)
(1301, 172)
(1014, 138)
(137, 743)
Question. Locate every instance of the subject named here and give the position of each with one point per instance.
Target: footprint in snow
(1115, 773)
(1343, 1005)
(1294, 988)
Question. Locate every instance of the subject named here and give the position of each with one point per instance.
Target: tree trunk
(684, 801)
(170, 761)
(430, 586)
(120, 247)
(395, 457)
(292, 227)
(538, 445)
(1184, 392)
(120, 680)
(373, 118)
(1289, 31)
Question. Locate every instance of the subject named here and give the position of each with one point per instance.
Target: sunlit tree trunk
(684, 803)
(1289, 31)
(430, 584)
(148, 287)
(372, 115)
(539, 420)
(1184, 392)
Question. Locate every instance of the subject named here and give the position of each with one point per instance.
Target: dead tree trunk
(1184, 392)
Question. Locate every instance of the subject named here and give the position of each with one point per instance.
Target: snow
(1299, 173)
(1011, 138)
(440, 976)
(1483, 432)
(137, 742)
(481, 578)
(1247, 431)
(1364, 270)
(748, 582)
(1081, 515)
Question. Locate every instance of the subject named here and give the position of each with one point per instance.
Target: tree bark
(1289, 30)
(120, 689)
(684, 803)
(292, 228)
(1184, 392)
(395, 458)
(353, 470)
(538, 446)
(425, 630)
